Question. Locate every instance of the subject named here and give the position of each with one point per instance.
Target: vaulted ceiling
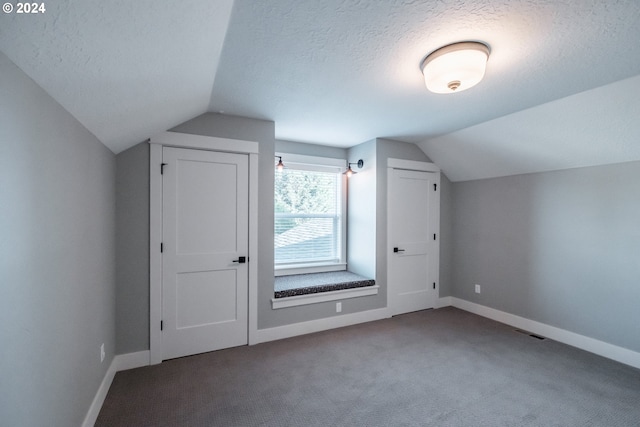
(562, 87)
(125, 69)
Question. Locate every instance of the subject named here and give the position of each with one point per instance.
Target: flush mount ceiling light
(455, 67)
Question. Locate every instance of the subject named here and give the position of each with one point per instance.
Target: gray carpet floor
(441, 367)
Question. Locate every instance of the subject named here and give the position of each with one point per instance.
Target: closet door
(412, 216)
(205, 245)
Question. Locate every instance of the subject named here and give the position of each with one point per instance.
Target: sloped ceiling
(595, 127)
(342, 72)
(560, 89)
(125, 69)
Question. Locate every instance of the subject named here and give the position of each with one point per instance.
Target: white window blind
(308, 216)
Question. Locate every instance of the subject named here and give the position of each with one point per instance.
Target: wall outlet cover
(477, 289)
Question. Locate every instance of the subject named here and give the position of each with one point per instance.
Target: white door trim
(186, 140)
(175, 139)
(434, 255)
(412, 165)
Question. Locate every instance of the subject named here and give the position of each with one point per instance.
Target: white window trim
(309, 268)
(312, 160)
(328, 164)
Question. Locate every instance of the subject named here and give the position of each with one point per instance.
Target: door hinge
(162, 165)
(435, 187)
(161, 247)
(434, 236)
(434, 285)
(161, 325)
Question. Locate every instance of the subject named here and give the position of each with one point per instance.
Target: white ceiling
(595, 127)
(125, 69)
(341, 72)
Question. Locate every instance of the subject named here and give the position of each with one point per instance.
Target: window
(309, 215)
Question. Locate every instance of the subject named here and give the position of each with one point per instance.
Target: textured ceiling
(125, 69)
(341, 72)
(599, 126)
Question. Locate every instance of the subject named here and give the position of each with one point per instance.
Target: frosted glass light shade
(455, 67)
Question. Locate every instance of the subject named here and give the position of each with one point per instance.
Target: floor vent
(538, 337)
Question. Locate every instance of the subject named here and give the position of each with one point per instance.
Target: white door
(205, 237)
(413, 224)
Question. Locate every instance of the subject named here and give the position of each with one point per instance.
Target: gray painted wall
(263, 132)
(362, 215)
(446, 237)
(562, 248)
(132, 167)
(57, 266)
(293, 147)
(132, 249)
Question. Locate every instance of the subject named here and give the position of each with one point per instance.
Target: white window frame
(325, 164)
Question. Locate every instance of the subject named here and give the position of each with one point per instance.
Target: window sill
(323, 297)
(306, 289)
(309, 269)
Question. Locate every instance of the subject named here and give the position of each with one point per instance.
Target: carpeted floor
(441, 367)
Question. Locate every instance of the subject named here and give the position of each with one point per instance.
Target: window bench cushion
(304, 284)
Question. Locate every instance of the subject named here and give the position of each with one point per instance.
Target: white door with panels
(205, 208)
(413, 217)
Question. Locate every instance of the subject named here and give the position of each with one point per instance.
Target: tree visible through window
(308, 217)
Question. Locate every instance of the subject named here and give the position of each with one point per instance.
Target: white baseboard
(287, 331)
(101, 394)
(443, 302)
(131, 360)
(619, 354)
(121, 362)
(601, 348)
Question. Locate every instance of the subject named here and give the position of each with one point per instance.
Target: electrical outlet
(102, 353)
(338, 307)
(477, 288)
